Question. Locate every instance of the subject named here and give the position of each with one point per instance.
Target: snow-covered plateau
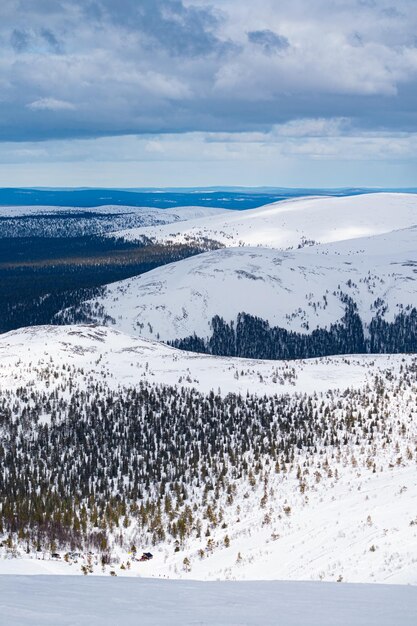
(150, 214)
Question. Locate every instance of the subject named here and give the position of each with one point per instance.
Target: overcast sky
(227, 92)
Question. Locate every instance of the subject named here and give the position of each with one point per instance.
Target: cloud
(285, 156)
(314, 127)
(43, 40)
(214, 66)
(50, 104)
(19, 40)
(163, 24)
(51, 40)
(270, 42)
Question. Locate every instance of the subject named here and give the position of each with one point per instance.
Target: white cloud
(311, 139)
(316, 82)
(173, 67)
(314, 127)
(50, 104)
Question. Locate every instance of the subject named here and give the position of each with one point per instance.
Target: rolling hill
(290, 223)
(84, 354)
(372, 280)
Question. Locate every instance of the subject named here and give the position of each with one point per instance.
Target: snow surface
(298, 290)
(51, 601)
(285, 224)
(29, 355)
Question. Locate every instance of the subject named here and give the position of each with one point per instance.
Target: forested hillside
(90, 468)
(253, 337)
(40, 276)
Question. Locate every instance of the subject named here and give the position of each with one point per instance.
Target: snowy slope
(344, 530)
(358, 527)
(29, 356)
(50, 601)
(299, 290)
(289, 223)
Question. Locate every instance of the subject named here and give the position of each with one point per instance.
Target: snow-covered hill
(299, 290)
(291, 223)
(50, 221)
(80, 354)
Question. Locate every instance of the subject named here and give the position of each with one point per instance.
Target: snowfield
(288, 223)
(49, 601)
(299, 290)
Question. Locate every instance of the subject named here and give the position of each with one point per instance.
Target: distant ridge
(228, 197)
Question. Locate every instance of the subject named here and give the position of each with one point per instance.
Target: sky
(296, 93)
